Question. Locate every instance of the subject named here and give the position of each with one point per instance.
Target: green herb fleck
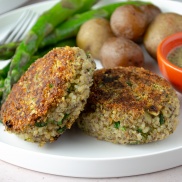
(61, 130)
(139, 130)
(144, 135)
(88, 54)
(50, 121)
(117, 125)
(61, 121)
(51, 85)
(161, 119)
(40, 124)
(123, 128)
(71, 88)
(65, 117)
(129, 83)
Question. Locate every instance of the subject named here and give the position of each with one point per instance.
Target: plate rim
(103, 160)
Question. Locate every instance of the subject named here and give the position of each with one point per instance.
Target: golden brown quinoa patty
(130, 106)
(50, 95)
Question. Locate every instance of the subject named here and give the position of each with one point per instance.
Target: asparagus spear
(67, 42)
(4, 71)
(7, 50)
(1, 86)
(69, 28)
(44, 25)
(40, 53)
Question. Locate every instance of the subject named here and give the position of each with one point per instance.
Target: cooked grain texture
(130, 106)
(50, 95)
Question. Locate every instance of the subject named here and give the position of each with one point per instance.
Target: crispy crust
(39, 89)
(131, 89)
(130, 105)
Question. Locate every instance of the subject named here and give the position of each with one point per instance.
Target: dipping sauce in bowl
(175, 56)
(170, 60)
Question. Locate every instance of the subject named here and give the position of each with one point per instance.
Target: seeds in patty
(49, 97)
(130, 106)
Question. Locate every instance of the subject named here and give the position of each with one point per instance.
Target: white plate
(7, 5)
(78, 155)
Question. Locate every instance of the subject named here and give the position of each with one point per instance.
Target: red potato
(93, 34)
(163, 25)
(150, 11)
(128, 21)
(119, 51)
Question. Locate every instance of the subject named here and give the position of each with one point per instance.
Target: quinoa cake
(130, 105)
(49, 97)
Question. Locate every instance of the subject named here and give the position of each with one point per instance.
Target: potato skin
(163, 25)
(128, 21)
(93, 34)
(119, 51)
(151, 11)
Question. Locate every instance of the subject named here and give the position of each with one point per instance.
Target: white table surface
(11, 173)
